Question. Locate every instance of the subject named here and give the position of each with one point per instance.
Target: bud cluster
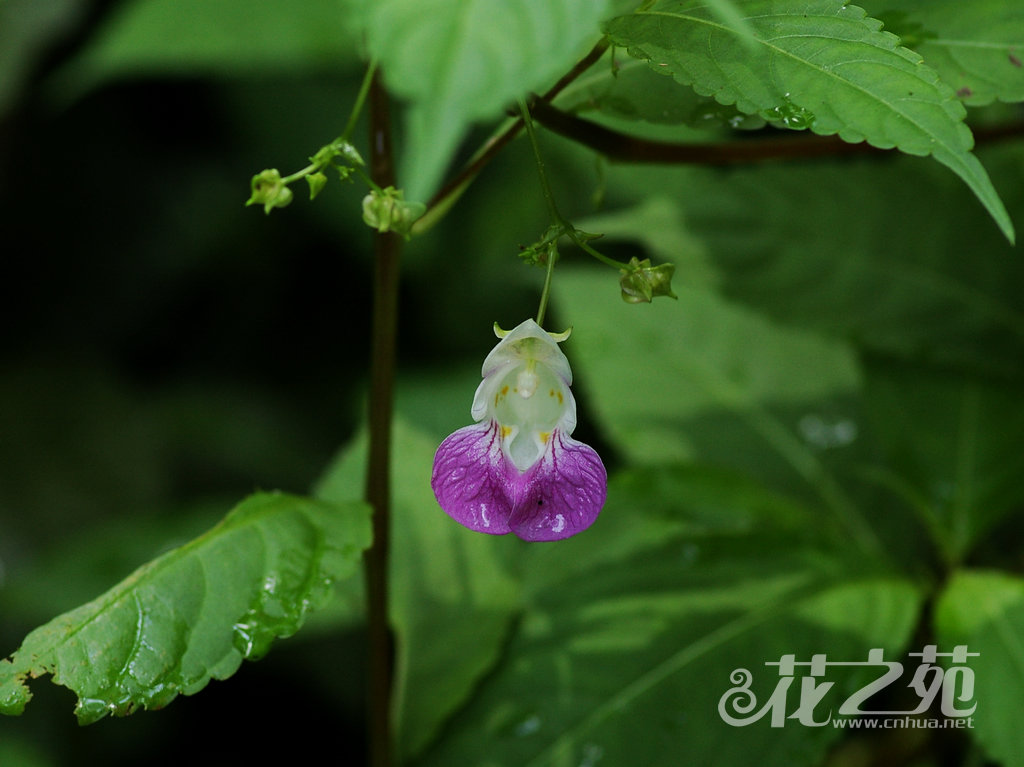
(386, 210)
(641, 282)
(271, 191)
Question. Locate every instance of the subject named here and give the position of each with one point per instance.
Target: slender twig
(546, 290)
(378, 475)
(624, 148)
(559, 224)
(364, 89)
(454, 187)
(545, 186)
(621, 147)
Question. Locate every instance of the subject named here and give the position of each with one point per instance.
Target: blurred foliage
(818, 447)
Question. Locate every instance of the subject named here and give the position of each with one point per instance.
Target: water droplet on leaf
(789, 115)
(528, 726)
(592, 754)
(826, 433)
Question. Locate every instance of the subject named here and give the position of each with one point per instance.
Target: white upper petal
(528, 341)
(526, 390)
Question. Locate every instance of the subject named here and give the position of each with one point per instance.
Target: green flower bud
(351, 154)
(316, 182)
(387, 211)
(269, 191)
(641, 282)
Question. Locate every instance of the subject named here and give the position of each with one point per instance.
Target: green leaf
(657, 224)
(462, 61)
(195, 613)
(818, 64)
(710, 367)
(878, 268)
(69, 572)
(453, 601)
(731, 16)
(985, 611)
(633, 630)
(704, 377)
(952, 449)
(977, 47)
(222, 38)
(648, 369)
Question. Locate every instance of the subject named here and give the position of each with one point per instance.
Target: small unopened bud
(316, 182)
(641, 282)
(387, 211)
(269, 191)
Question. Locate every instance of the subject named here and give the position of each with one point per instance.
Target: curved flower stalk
(517, 470)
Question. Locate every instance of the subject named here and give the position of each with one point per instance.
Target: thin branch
(487, 152)
(621, 147)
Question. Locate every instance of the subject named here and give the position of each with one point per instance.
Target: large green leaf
(460, 61)
(952, 450)
(649, 368)
(453, 601)
(195, 613)
(820, 64)
(853, 249)
(985, 611)
(633, 629)
(977, 47)
(704, 378)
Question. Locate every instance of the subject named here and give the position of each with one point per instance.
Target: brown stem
(621, 147)
(378, 468)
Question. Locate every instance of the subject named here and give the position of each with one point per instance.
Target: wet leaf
(821, 65)
(977, 47)
(195, 613)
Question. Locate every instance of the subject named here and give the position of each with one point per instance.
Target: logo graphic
(953, 686)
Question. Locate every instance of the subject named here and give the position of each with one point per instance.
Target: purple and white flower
(517, 470)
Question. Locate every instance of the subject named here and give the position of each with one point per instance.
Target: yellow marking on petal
(561, 399)
(545, 436)
(505, 431)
